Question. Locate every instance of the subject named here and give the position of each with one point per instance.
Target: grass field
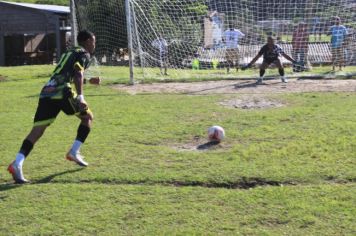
(280, 171)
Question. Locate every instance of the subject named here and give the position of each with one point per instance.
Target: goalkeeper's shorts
(48, 109)
(269, 61)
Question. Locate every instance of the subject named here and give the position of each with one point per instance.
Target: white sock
(76, 146)
(20, 158)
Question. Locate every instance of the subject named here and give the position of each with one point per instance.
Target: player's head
(302, 25)
(271, 40)
(337, 20)
(231, 26)
(86, 39)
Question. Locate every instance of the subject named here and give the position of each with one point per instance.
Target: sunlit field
(286, 170)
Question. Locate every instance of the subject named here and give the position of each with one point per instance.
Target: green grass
(282, 171)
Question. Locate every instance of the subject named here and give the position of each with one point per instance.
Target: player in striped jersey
(58, 95)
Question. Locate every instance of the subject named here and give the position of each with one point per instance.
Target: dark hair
(84, 35)
(271, 37)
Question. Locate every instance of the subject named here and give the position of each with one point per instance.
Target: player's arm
(224, 38)
(240, 34)
(286, 56)
(78, 83)
(345, 32)
(252, 61)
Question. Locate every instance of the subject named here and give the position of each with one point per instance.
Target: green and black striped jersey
(76, 59)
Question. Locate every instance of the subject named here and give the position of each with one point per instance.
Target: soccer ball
(216, 133)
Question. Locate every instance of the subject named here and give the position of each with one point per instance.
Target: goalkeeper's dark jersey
(74, 59)
(270, 54)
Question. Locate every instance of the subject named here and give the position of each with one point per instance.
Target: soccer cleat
(284, 80)
(16, 172)
(259, 81)
(77, 158)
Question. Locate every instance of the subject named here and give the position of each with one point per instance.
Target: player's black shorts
(269, 61)
(48, 109)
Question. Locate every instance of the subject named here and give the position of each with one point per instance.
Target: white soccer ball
(216, 133)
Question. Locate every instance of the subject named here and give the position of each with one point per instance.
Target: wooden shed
(32, 33)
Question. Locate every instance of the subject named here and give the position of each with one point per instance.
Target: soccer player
(338, 34)
(58, 95)
(231, 39)
(270, 53)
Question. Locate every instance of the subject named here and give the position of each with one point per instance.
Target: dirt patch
(243, 87)
(2, 78)
(252, 102)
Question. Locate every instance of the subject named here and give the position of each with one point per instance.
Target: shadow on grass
(49, 178)
(207, 89)
(243, 183)
(208, 145)
(246, 85)
(8, 186)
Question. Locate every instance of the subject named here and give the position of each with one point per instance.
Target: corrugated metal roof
(43, 7)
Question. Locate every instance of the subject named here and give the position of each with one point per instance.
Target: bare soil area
(243, 87)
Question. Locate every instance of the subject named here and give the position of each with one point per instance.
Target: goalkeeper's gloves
(298, 63)
(245, 67)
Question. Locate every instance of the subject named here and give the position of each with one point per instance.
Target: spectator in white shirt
(231, 40)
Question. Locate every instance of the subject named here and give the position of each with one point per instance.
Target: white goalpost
(182, 39)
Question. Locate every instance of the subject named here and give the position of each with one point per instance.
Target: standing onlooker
(317, 28)
(231, 39)
(300, 42)
(350, 47)
(338, 34)
(162, 46)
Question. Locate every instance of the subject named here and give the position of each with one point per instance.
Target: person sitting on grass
(270, 52)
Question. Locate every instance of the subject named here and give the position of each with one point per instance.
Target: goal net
(179, 39)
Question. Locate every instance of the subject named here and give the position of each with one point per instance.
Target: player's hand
(83, 106)
(298, 64)
(245, 67)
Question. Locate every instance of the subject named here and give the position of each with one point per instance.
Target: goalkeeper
(270, 53)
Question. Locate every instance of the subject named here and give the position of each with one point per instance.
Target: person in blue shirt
(338, 34)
